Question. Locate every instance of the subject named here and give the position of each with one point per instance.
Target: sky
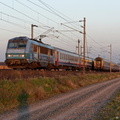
(102, 24)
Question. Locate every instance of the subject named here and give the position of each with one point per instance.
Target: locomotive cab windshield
(16, 52)
(17, 44)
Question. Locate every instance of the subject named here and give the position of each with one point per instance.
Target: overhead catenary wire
(102, 47)
(36, 11)
(56, 12)
(97, 42)
(18, 25)
(53, 11)
(17, 18)
(12, 31)
(21, 13)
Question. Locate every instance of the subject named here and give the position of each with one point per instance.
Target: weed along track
(78, 104)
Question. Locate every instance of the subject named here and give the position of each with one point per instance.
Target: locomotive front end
(16, 53)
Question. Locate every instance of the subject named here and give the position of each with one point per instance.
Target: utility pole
(110, 58)
(32, 30)
(81, 50)
(84, 45)
(78, 47)
(84, 39)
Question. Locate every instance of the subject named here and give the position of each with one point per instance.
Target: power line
(103, 48)
(18, 25)
(15, 17)
(11, 31)
(51, 9)
(36, 11)
(56, 13)
(96, 42)
(20, 12)
(65, 35)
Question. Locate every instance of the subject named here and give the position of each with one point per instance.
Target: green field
(26, 87)
(111, 111)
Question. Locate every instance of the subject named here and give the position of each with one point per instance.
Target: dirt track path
(80, 104)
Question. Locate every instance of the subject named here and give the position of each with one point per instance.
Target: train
(102, 65)
(25, 53)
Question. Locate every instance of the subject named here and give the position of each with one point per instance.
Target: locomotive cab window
(12, 45)
(98, 63)
(17, 44)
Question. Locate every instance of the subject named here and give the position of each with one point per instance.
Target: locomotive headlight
(21, 55)
(10, 55)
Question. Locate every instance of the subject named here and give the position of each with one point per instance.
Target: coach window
(71, 58)
(63, 56)
(68, 57)
(60, 56)
(74, 58)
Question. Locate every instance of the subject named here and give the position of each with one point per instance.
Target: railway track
(80, 104)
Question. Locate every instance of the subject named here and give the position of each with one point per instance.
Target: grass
(111, 111)
(20, 88)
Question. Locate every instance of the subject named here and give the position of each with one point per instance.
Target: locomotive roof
(34, 41)
(21, 38)
(98, 58)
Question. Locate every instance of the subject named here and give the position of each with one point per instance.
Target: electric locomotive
(23, 52)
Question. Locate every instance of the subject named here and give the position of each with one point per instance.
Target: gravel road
(80, 104)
